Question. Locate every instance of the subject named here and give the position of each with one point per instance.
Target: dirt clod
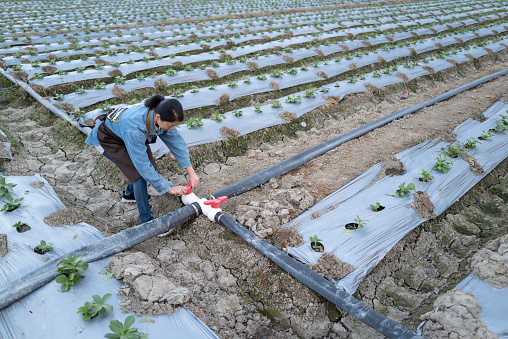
(274, 85)
(288, 59)
(229, 133)
(491, 263)
(100, 61)
(212, 74)
(23, 76)
(64, 217)
(330, 267)
(319, 52)
(3, 245)
(160, 83)
(429, 69)
(424, 207)
(288, 116)
(37, 184)
(474, 166)
(403, 76)
(322, 74)
(253, 66)
(224, 99)
(66, 107)
(49, 69)
(455, 315)
(115, 73)
(118, 91)
(283, 235)
(393, 166)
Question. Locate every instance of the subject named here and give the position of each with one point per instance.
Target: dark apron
(115, 148)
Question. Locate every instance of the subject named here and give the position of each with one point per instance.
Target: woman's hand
(192, 177)
(178, 190)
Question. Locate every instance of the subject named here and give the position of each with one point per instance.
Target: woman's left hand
(193, 179)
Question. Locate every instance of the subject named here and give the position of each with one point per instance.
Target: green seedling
(126, 302)
(219, 117)
(195, 89)
(237, 113)
(257, 108)
(443, 164)
(99, 85)
(178, 92)
(194, 122)
(59, 97)
(246, 80)
(276, 73)
(80, 90)
(69, 271)
(108, 275)
(233, 83)
(277, 104)
(500, 127)
(120, 80)
(375, 206)
(425, 176)
(351, 79)
(80, 69)
(454, 151)
(403, 189)
(106, 106)
(5, 187)
(95, 308)
(20, 227)
(471, 143)
(314, 240)
(43, 248)
(10, 203)
(361, 222)
(486, 135)
(293, 99)
(261, 77)
(124, 331)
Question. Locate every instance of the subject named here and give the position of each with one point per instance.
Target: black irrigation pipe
(136, 235)
(295, 161)
(318, 284)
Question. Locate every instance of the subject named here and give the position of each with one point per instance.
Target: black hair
(169, 109)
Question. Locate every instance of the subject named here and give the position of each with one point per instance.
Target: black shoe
(130, 198)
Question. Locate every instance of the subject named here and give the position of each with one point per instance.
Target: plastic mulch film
(48, 312)
(162, 52)
(365, 247)
(5, 146)
(493, 302)
(93, 96)
(252, 120)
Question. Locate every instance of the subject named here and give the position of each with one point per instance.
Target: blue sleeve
(135, 144)
(177, 146)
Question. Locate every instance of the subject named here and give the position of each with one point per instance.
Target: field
(260, 83)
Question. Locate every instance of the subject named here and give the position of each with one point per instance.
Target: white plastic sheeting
(251, 120)
(365, 247)
(47, 312)
(493, 302)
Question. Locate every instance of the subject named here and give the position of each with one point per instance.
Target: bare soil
(236, 291)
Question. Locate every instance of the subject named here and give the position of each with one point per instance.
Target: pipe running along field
(138, 234)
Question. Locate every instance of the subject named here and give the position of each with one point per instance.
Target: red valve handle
(215, 203)
(189, 189)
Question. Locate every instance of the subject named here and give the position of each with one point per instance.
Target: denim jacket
(131, 128)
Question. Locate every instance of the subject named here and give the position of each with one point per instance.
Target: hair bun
(154, 101)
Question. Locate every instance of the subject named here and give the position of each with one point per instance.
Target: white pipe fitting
(188, 199)
(208, 210)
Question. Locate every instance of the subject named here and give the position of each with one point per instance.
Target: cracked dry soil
(231, 287)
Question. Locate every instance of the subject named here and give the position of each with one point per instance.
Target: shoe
(130, 198)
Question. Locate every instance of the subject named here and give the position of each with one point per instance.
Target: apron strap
(148, 124)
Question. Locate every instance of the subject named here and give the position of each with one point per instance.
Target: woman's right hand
(178, 190)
